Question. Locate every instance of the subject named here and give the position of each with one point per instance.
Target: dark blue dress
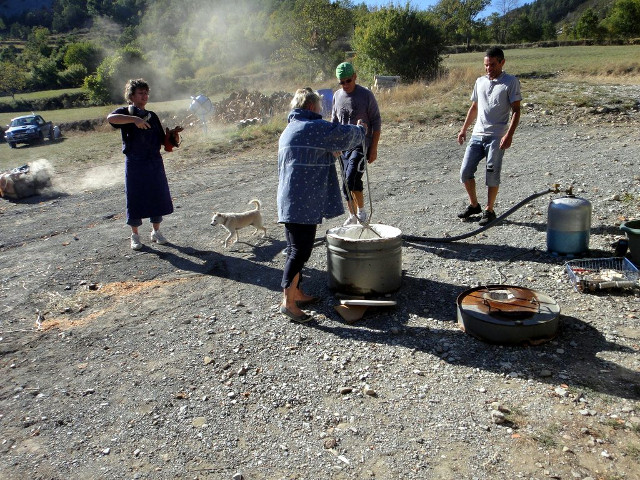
(145, 183)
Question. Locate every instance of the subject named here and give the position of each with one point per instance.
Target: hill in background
(12, 8)
(558, 11)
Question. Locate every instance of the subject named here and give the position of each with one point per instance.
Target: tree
(549, 31)
(73, 76)
(459, 18)
(69, 15)
(588, 25)
(398, 41)
(310, 32)
(82, 53)
(624, 19)
(524, 30)
(12, 79)
(107, 84)
(503, 9)
(9, 54)
(37, 43)
(44, 74)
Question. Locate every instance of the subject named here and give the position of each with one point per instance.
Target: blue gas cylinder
(568, 225)
(327, 99)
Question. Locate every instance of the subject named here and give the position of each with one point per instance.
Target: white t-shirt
(494, 99)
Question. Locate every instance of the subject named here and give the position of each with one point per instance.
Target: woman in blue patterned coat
(308, 188)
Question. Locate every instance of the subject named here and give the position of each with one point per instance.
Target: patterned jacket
(308, 188)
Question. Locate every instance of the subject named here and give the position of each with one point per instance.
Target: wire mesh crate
(602, 273)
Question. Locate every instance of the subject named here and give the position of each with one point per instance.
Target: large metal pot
(364, 260)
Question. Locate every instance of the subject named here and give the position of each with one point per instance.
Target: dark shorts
(353, 167)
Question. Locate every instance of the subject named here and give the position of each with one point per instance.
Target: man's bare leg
(470, 187)
(492, 194)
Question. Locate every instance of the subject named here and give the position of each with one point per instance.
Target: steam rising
(41, 171)
(93, 178)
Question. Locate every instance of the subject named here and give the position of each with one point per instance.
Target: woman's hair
(305, 98)
(132, 85)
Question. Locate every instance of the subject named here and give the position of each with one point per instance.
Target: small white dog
(235, 221)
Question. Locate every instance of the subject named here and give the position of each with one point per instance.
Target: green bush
(72, 76)
(107, 84)
(82, 53)
(397, 41)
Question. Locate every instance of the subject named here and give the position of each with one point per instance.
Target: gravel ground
(173, 362)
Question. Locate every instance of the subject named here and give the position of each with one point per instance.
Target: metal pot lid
(508, 314)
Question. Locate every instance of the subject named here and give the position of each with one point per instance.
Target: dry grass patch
(445, 98)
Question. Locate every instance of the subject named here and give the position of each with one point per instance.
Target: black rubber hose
(419, 239)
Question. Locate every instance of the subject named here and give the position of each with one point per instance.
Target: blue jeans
(480, 147)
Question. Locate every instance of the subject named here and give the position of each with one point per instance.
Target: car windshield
(19, 122)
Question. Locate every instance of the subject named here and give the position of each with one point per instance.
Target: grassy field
(80, 151)
(40, 94)
(76, 114)
(620, 62)
(552, 79)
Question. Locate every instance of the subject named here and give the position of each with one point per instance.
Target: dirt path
(173, 362)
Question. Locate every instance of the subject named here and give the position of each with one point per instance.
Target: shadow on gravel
(500, 253)
(572, 358)
(542, 227)
(579, 367)
(480, 252)
(46, 196)
(209, 262)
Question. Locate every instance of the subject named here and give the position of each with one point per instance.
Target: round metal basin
(364, 260)
(507, 314)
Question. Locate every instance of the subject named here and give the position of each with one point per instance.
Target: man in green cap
(351, 103)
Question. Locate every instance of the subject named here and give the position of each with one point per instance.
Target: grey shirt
(494, 99)
(360, 104)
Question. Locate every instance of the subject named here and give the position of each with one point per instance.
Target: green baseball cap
(344, 70)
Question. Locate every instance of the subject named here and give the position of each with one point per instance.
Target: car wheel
(40, 137)
(12, 144)
(51, 136)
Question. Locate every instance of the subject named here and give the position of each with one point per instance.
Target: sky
(419, 4)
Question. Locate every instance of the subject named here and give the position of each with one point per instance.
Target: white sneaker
(352, 220)
(362, 216)
(135, 242)
(157, 237)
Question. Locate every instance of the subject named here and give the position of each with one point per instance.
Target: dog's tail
(257, 202)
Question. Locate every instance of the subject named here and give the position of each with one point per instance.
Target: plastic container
(632, 229)
(327, 100)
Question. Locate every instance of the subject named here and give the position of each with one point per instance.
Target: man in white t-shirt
(495, 105)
